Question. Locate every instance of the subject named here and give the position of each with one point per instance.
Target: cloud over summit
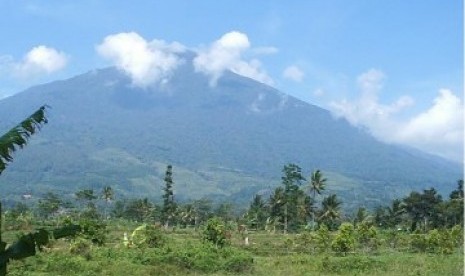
(226, 54)
(146, 62)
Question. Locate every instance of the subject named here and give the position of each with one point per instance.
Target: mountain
(226, 142)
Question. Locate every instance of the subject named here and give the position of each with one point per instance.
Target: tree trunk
(285, 218)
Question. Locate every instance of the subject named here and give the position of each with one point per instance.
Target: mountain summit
(228, 140)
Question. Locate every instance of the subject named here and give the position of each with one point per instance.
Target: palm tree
(108, 195)
(330, 208)
(317, 185)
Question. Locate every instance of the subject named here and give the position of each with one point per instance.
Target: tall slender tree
(107, 195)
(317, 185)
(291, 180)
(169, 205)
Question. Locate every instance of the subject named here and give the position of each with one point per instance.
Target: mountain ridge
(231, 140)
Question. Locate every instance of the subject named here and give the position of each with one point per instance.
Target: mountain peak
(230, 139)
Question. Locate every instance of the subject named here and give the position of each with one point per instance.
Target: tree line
(297, 204)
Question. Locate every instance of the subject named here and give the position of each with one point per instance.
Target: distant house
(26, 196)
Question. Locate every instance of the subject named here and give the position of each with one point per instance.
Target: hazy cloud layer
(437, 130)
(293, 73)
(146, 62)
(226, 54)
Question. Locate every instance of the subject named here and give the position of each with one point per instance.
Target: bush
(367, 236)
(344, 242)
(323, 238)
(94, 230)
(418, 242)
(81, 247)
(215, 232)
(204, 257)
(148, 236)
(351, 264)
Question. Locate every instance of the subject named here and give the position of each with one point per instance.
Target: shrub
(323, 238)
(367, 236)
(81, 247)
(344, 241)
(418, 242)
(215, 232)
(148, 236)
(352, 265)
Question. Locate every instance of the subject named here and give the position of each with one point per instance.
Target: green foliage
(323, 238)
(81, 247)
(168, 210)
(93, 230)
(418, 242)
(367, 236)
(215, 232)
(351, 265)
(49, 204)
(148, 236)
(456, 235)
(331, 211)
(344, 241)
(17, 136)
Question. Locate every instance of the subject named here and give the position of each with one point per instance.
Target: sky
(392, 67)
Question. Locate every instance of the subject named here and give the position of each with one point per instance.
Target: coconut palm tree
(331, 207)
(317, 185)
(108, 195)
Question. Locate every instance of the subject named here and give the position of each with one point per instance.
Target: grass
(268, 254)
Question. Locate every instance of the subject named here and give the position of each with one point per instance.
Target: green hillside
(226, 142)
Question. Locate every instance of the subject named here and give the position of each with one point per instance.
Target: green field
(184, 252)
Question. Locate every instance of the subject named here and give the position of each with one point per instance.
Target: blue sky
(393, 67)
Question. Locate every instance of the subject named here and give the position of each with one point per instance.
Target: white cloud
(146, 62)
(293, 73)
(438, 130)
(40, 60)
(366, 110)
(226, 54)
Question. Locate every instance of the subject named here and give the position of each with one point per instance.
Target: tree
(291, 181)
(317, 185)
(108, 195)
(452, 209)
(140, 210)
(422, 207)
(169, 206)
(257, 214)
(330, 210)
(87, 196)
(187, 214)
(215, 232)
(49, 204)
(344, 241)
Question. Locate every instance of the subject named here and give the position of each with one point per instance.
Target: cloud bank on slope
(438, 130)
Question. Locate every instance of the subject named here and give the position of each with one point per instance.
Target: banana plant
(14, 139)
